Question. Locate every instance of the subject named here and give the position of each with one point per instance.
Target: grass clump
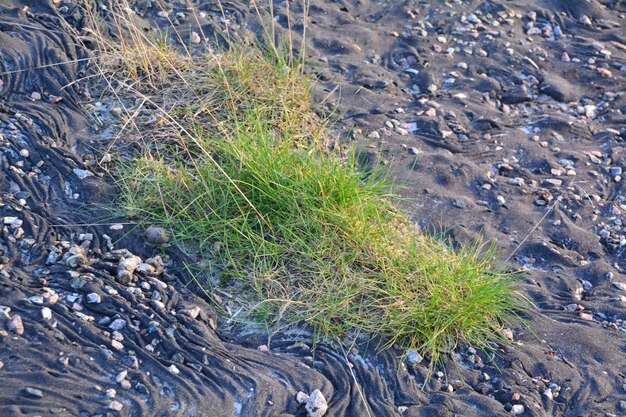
(248, 174)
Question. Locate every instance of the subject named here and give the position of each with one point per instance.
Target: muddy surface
(504, 119)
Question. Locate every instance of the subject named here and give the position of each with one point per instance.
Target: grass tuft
(241, 166)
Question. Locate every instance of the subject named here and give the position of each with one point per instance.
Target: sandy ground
(504, 119)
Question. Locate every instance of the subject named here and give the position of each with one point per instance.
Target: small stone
(157, 235)
(93, 298)
(585, 20)
(517, 409)
(622, 406)
(117, 324)
(553, 182)
(121, 376)
(24, 153)
(15, 325)
(115, 406)
(111, 393)
(302, 397)
(620, 285)
(195, 38)
(500, 200)
(413, 357)
(36, 299)
(173, 369)
(565, 57)
(548, 393)
(125, 384)
(33, 392)
(414, 151)
(46, 313)
(35, 95)
(82, 173)
(117, 345)
(126, 268)
(316, 405)
(586, 316)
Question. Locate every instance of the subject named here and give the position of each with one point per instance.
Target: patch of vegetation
(238, 163)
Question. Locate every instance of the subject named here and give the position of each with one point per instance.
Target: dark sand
(481, 137)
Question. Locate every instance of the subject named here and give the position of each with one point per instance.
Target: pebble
(620, 285)
(500, 200)
(121, 376)
(117, 345)
(517, 409)
(93, 298)
(33, 392)
(316, 405)
(36, 299)
(117, 324)
(82, 173)
(414, 151)
(16, 326)
(126, 268)
(46, 313)
(115, 406)
(195, 38)
(157, 235)
(174, 369)
(413, 357)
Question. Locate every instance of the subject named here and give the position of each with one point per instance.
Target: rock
(192, 312)
(33, 392)
(126, 268)
(117, 345)
(82, 173)
(15, 325)
(36, 299)
(174, 369)
(157, 235)
(302, 397)
(93, 298)
(115, 406)
(121, 376)
(75, 257)
(560, 89)
(117, 324)
(620, 285)
(195, 38)
(414, 357)
(517, 409)
(548, 394)
(46, 313)
(316, 405)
